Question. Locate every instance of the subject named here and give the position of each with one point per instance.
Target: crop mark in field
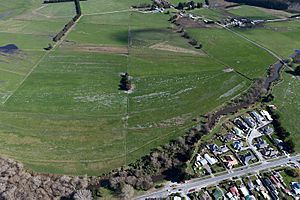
(166, 47)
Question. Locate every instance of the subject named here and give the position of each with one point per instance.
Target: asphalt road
(200, 183)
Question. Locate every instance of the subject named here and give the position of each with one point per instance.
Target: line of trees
(69, 25)
(189, 5)
(167, 161)
(272, 4)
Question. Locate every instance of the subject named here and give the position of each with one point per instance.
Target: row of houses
(269, 186)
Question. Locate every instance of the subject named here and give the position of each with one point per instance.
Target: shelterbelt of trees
(272, 4)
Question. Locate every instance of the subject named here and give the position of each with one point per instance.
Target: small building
(240, 124)
(266, 115)
(224, 149)
(230, 161)
(229, 195)
(218, 194)
(177, 198)
(213, 148)
(238, 145)
(246, 158)
(238, 132)
(234, 191)
(269, 152)
(250, 185)
(258, 118)
(250, 197)
(296, 187)
(261, 143)
(249, 121)
(210, 160)
(279, 143)
(201, 160)
(244, 191)
(267, 130)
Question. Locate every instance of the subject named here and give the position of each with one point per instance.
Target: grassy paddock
(66, 113)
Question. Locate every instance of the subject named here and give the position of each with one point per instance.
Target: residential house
(269, 152)
(266, 115)
(234, 191)
(230, 161)
(218, 194)
(250, 185)
(279, 143)
(177, 198)
(296, 187)
(244, 191)
(249, 121)
(213, 148)
(250, 197)
(210, 160)
(261, 143)
(258, 118)
(272, 190)
(228, 137)
(240, 124)
(238, 145)
(267, 130)
(224, 149)
(246, 158)
(201, 160)
(238, 132)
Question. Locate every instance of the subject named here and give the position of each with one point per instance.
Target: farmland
(62, 111)
(287, 99)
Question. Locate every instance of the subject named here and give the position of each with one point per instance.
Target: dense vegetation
(273, 4)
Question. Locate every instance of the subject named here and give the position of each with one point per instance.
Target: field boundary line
(260, 46)
(253, 42)
(27, 75)
(110, 12)
(13, 72)
(39, 62)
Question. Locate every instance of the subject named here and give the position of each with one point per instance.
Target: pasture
(287, 100)
(280, 37)
(251, 12)
(62, 111)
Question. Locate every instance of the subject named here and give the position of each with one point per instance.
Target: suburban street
(200, 183)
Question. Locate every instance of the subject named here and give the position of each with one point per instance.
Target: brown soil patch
(220, 3)
(103, 49)
(98, 49)
(167, 47)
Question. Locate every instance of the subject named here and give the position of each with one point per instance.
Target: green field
(62, 111)
(280, 37)
(287, 99)
(250, 12)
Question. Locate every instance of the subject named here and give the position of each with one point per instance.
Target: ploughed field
(62, 111)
